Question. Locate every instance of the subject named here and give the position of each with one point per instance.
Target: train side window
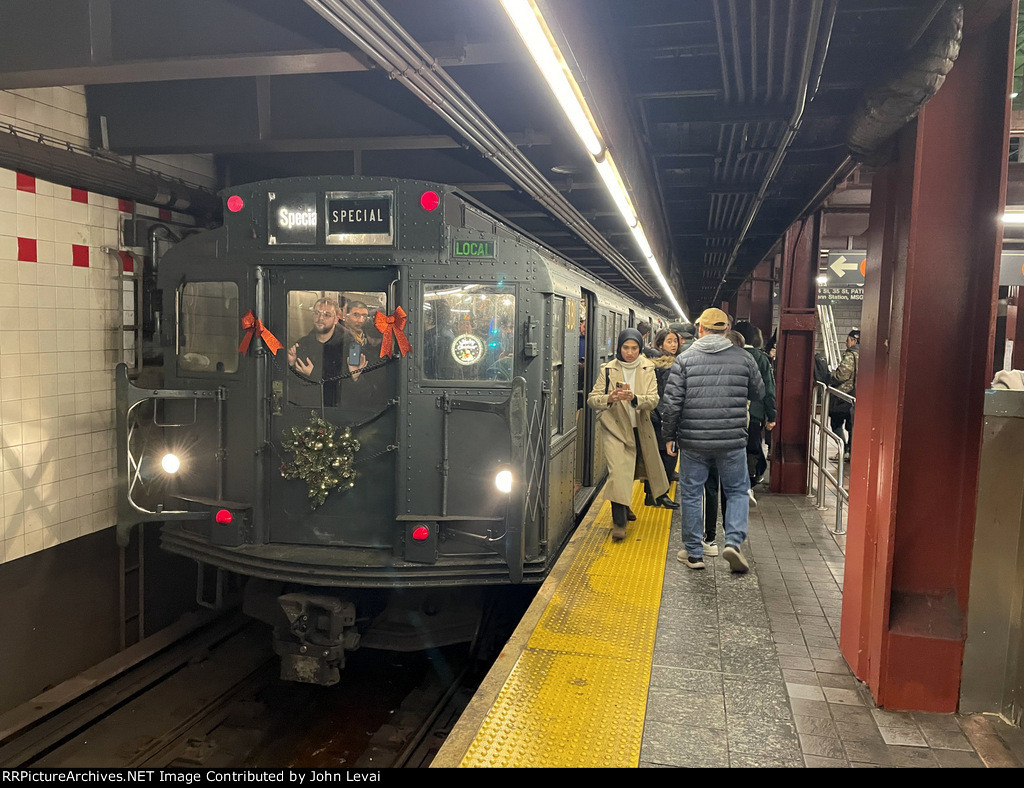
(208, 327)
(557, 362)
(469, 332)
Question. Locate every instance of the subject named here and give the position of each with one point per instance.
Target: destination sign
(359, 218)
(473, 248)
(291, 218)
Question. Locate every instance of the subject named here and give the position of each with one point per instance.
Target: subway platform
(627, 658)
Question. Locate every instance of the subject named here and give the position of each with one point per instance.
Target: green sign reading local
(473, 248)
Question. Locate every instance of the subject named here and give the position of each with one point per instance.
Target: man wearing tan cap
(704, 418)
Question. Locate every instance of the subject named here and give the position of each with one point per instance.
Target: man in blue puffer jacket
(704, 415)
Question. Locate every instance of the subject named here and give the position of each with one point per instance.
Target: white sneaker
(753, 500)
(694, 563)
(710, 549)
(737, 563)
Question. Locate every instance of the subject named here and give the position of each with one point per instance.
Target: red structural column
(926, 348)
(795, 356)
(761, 297)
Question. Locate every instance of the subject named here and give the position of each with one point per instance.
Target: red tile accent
(26, 182)
(79, 195)
(27, 250)
(125, 206)
(165, 214)
(80, 255)
(127, 262)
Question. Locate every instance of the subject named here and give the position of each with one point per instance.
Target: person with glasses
(317, 358)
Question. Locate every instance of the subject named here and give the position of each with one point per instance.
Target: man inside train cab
(316, 358)
(704, 420)
(360, 345)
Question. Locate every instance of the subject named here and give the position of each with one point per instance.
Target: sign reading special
(360, 218)
(291, 218)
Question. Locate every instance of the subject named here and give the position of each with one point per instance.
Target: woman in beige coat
(625, 393)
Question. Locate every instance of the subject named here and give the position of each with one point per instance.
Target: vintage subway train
(418, 436)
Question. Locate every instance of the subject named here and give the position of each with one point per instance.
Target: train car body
(371, 484)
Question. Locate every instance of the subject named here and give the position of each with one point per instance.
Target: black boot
(630, 515)
(666, 502)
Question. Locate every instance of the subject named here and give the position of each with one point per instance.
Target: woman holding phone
(625, 393)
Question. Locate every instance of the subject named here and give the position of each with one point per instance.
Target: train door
(584, 418)
(600, 342)
(330, 386)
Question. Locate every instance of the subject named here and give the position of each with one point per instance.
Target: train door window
(605, 340)
(469, 332)
(331, 338)
(557, 362)
(208, 327)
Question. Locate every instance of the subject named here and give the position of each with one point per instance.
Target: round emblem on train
(467, 349)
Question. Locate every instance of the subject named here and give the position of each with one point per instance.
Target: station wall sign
(844, 273)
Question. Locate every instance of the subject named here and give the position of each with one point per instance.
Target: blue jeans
(732, 474)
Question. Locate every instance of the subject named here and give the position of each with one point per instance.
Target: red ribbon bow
(392, 324)
(252, 327)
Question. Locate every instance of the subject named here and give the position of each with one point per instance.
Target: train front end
(345, 417)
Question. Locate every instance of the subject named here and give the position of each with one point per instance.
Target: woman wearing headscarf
(625, 393)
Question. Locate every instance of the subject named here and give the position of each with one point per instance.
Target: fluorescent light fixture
(613, 183)
(529, 24)
(641, 240)
(1013, 217)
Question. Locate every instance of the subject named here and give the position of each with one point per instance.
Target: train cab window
(208, 327)
(469, 332)
(331, 339)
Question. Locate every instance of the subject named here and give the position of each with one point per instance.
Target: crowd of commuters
(701, 396)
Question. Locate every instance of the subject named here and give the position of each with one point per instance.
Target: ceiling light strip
(368, 25)
(529, 22)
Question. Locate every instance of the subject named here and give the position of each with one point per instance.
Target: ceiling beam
(252, 64)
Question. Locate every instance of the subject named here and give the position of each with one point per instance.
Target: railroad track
(212, 699)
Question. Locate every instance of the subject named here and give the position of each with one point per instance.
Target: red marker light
(224, 517)
(235, 203)
(420, 533)
(429, 200)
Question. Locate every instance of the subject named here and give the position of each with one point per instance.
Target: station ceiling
(696, 99)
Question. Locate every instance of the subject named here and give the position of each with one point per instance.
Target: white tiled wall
(60, 336)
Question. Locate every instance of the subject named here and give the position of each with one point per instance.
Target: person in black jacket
(666, 344)
(704, 419)
(762, 413)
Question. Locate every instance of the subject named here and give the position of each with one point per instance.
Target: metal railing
(817, 454)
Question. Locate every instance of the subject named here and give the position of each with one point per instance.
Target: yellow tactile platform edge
(577, 696)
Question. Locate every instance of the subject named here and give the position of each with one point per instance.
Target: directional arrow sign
(841, 266)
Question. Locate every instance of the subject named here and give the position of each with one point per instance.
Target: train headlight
(503, 481)
(170, 462)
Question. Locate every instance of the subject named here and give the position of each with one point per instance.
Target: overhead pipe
(377, 34)
(889, 107)
(806, 78)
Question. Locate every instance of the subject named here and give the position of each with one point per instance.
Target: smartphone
(618, 384)
(355, 350)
